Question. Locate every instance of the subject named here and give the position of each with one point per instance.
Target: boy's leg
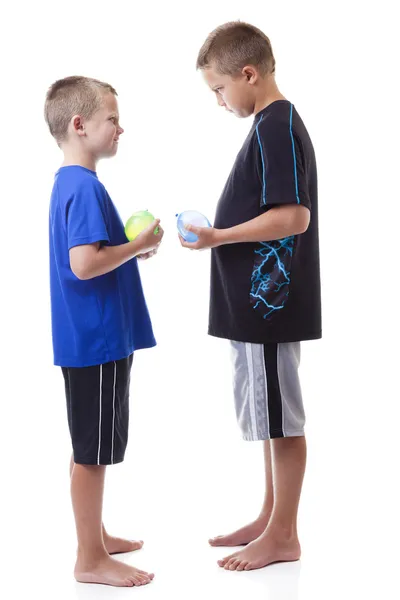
(279, 541)
(269, 406)
(250, 532)
(94, 564)
(98, 414)
(112, 544)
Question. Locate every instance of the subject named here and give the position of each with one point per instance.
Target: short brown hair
(234, 45)
(73, 96)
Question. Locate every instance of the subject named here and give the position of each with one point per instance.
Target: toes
(137, 545)
(241, 566)
(223, 562)
(248, 567)
(144, 577)
(221, 541)
(129, 582)
(235, 564)
(214, 541)
(230, 563)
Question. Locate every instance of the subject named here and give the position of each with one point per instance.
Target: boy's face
(103, 129)
(236, 94)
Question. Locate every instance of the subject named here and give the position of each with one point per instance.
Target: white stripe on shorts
(113, 420)
(261, 346)
(100, 401)
(252, 400)
(279, 370)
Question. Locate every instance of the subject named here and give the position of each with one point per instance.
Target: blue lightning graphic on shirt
(271, 275)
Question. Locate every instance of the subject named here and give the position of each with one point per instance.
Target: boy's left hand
(209, 237)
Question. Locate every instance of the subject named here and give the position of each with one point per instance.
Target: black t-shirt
(268, 291)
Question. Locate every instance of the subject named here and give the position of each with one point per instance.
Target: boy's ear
(78, 125)
(250, 73)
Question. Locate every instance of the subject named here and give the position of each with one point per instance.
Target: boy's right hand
(147, 240)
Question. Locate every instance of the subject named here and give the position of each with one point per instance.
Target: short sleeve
(280, 164)
(86, 221)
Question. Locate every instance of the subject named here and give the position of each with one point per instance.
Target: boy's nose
(120, 131)
(220, 101)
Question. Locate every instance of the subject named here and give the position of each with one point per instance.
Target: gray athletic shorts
(267, 390)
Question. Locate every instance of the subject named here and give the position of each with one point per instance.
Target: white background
(187, 474)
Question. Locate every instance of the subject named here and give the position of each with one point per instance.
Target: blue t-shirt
(102, 319)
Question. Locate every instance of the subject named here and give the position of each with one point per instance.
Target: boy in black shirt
(265, 281)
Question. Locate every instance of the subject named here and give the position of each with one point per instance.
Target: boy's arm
(90, 254)
(92, 260)
(284, 201)
(277, 223)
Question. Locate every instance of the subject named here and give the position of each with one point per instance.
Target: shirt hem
(99, 236)
(283, 338)
(103, 358)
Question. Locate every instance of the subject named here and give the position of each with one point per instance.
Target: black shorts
(98, 411)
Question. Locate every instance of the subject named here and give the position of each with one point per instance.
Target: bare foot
(242, 536)
(109, 571)
(269, 548)
(116, 545)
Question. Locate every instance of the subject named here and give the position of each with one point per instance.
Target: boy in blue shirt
(265, 280)
(99, 313)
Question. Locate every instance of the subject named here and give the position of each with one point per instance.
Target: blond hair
(232, 46)
(73, 96)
